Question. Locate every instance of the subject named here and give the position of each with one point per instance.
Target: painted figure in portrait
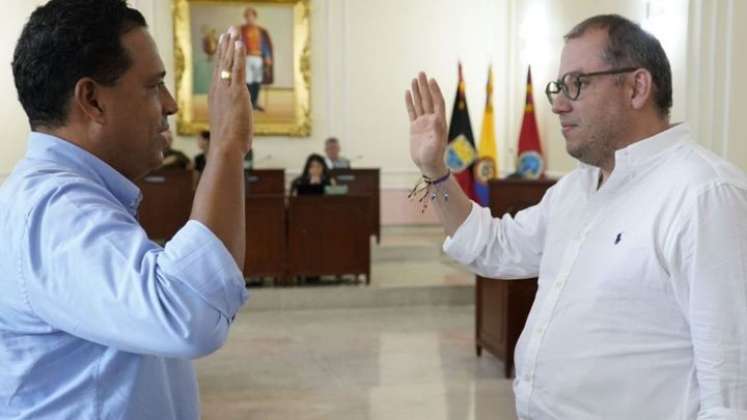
(275, 34)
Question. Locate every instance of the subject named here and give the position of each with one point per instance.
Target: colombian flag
(486, 167)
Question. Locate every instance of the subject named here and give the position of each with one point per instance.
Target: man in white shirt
(641, 252)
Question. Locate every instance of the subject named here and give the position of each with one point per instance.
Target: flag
(486, 166)
(531, 163)
(460, 152)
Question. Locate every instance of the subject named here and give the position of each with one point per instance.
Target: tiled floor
(398, 362)
(361, 364)
(411, 256)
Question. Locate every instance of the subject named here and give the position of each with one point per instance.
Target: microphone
(264, 158)
(356, 158)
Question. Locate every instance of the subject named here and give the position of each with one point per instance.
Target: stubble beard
(598, 147)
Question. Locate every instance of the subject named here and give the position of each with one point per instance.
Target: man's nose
(169, 103)
(561, 104)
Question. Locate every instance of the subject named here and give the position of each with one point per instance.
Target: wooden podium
(266, 237)
(167, 202)
(325, 236)
(363, 182)
(502, 306)
(264, 181)
(285, 237)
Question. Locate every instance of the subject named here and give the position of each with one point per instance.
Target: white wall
(718, 87)
(12, 118)
(737, 119)
(365, 52)
(389, 41)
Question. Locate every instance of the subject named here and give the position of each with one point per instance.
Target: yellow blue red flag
(486, 166)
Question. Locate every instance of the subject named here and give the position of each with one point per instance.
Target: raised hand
(231, 114)
(425, 106)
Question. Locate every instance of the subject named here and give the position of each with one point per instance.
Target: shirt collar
(649, 150)
(50, 148)
(645, 151)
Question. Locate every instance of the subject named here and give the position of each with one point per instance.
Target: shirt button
(540, 330)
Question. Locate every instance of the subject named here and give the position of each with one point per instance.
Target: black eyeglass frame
(562, 87)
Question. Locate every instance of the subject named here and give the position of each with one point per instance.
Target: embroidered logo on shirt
(618, 238)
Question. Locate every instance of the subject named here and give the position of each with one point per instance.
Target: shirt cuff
(465, 245)
(197, 258)
(722, 413)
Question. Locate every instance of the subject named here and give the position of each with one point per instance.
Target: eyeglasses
(571, 83)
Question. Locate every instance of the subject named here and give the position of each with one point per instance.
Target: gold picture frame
(284, 96)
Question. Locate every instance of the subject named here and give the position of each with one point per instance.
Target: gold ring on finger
(225, 75)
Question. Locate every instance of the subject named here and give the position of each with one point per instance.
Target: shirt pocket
(623, 263)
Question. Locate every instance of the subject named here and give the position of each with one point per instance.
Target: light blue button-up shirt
(97, 321)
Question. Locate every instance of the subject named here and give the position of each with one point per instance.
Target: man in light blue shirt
(97, 321)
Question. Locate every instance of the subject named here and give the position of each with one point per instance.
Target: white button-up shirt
(641, 309)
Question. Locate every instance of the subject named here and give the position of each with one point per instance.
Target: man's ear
(642, 90)
(87, 98)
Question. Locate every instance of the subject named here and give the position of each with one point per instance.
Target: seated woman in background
(314, 178)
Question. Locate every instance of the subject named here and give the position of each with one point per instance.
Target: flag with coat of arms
(531, 164)
(460, 152)
(486, 166)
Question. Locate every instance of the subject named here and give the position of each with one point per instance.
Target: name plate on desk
(345, 177)
(153, 179)
(265, 181)
(336, 189)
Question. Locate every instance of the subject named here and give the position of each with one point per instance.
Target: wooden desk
(502, 306)
(364, 182)
(265, 181)
(325, 236)
(266, 236)
(167, 202)
(311, 235)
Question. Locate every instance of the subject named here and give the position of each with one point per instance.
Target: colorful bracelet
(437, 180)
(427, 190)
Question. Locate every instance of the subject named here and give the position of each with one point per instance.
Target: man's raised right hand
(231, 114)
(425, 106)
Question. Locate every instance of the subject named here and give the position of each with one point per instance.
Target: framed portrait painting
(276, 38)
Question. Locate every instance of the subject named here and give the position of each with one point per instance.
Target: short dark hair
(629, 45)
(331, 140)
(63, 42)
(205, 134)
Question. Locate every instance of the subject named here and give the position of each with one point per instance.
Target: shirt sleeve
(90, 270)
(507, 247)
(710, 265)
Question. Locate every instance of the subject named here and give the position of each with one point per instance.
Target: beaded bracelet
(432, 188)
